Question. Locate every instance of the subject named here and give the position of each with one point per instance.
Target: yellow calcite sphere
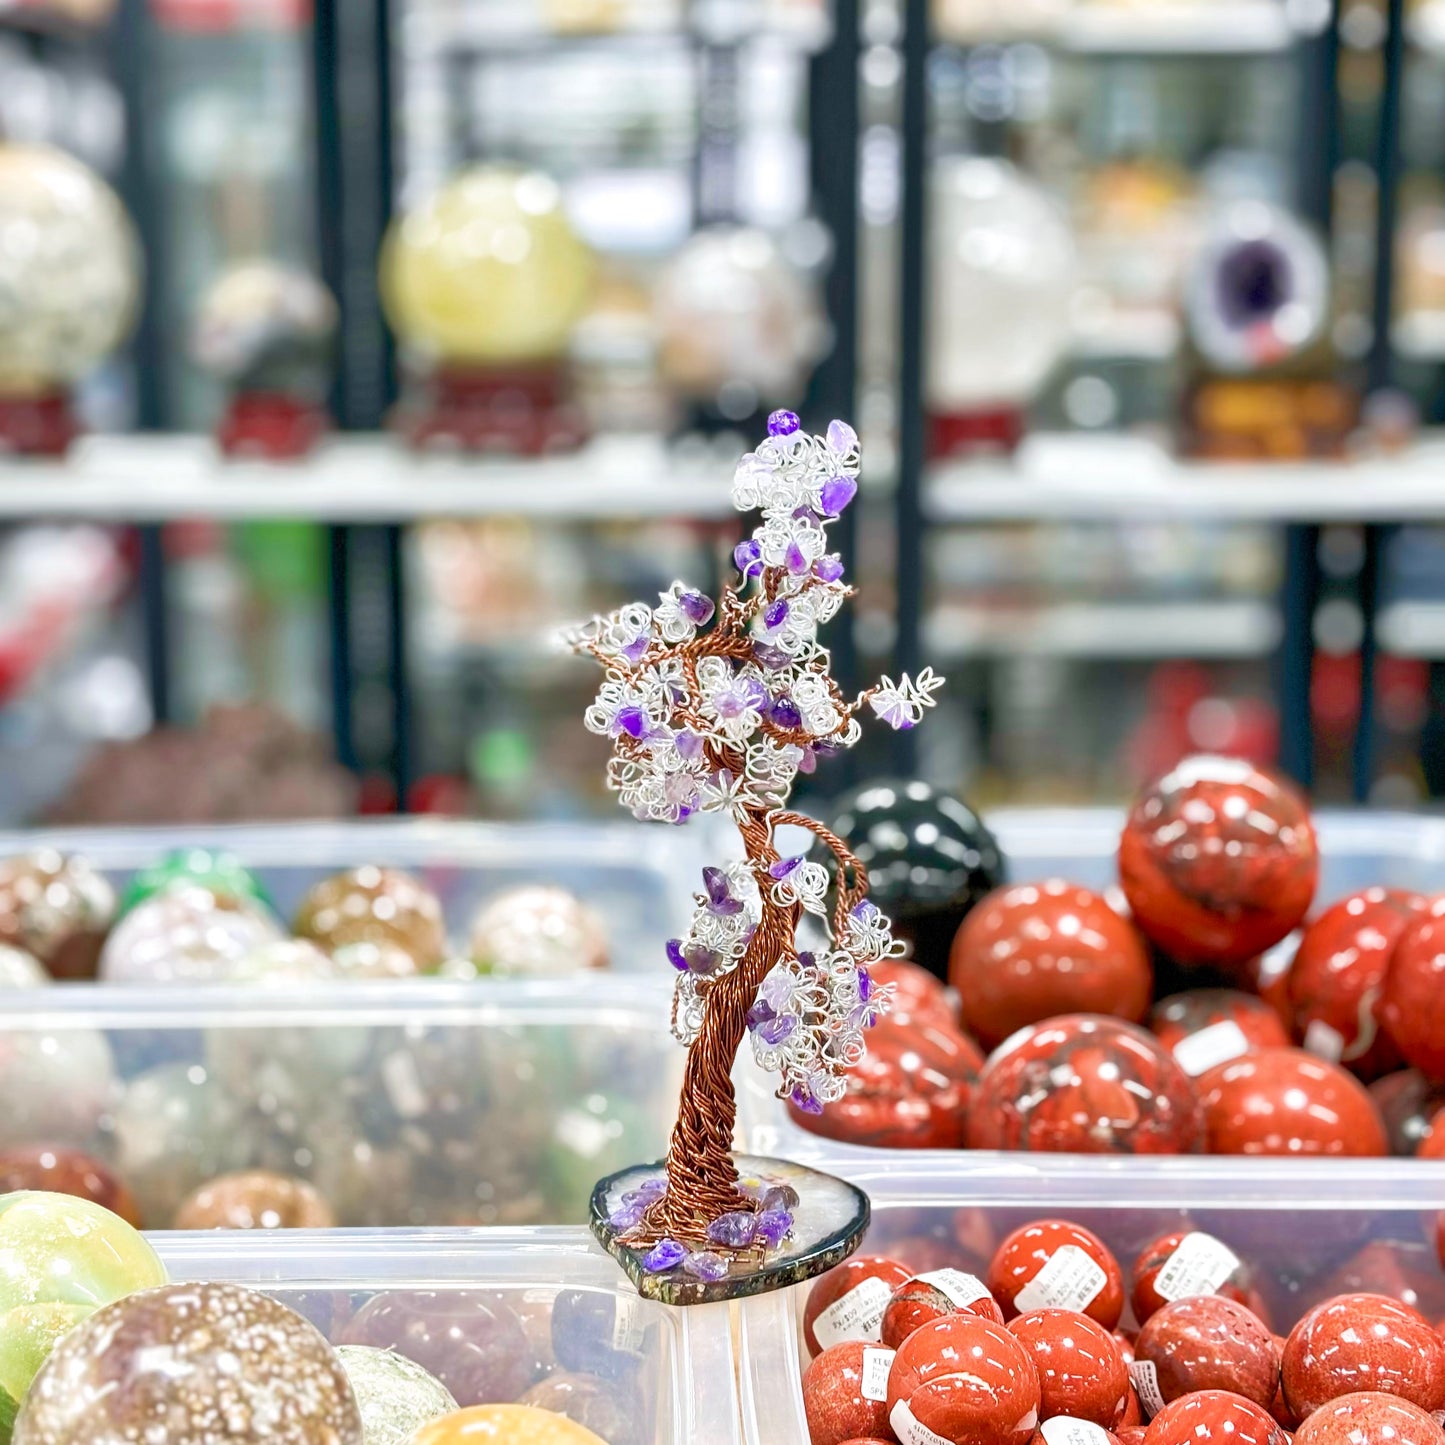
(69, 269)
(504, 1425)
(487, 272)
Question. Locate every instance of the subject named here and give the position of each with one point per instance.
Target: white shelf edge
(361, 479)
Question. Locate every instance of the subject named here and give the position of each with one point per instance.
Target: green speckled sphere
(396, 1396)
(61, 1259)
(219, 874)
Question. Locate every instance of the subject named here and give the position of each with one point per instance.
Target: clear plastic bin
(1356, 850)
(639, 878)
(495, 1101)
(1307, 1229)
(674, 1368)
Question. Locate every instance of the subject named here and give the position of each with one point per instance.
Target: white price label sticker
(857, 1315)
(1065, 1430)
(1217, 1044)
(910, 1430)
(876, 1365)
(1069, 1280)
(1146, 1385)
(962, 1289)
(1324, 1042)
(628, 1327)
(1199, 1265)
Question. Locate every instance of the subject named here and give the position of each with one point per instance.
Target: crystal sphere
(538, 931)
(261, 316)
(1001, 277)
(487, 271)
(184, 934)
(738, 325)
(70, 270)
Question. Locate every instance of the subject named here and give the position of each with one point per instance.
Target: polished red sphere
(1214, 1417)
(1285, 1101)
(1205, 1342)
(911, 1090)
(915, 991)
(1410, 1010)
(1088, 1085)
(1080, 1367)
(1035, 950)
(842, 1398)
(1370, 1418)
(1218, 860)
(1208, 1026)
(55, 1169)
(1338, 972)
(927, 1297)
(1362, 1342)
(966, 1379)
(848, 1302)
(1191, 1262)
(1053, 1264)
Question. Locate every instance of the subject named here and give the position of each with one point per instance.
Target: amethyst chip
(783, 423)
(706, 1264)
(720, 899)
(697, 608)
(774, 1226)
(835, 494)
(664, 1255)
(733, 1230)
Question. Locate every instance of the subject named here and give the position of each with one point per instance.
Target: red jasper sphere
(837, 1398)
(1410, 1008)
(1362, 1342)
(928, 1297)
(1191, 1263)
(1204, 1342)
(1035, 950)
(1285, 1101)
(1080, 1366)
(848, 1302)
(1338, 972)
(1370, 1417)
(915, 990)
(1214, 1417)
(1088, 1085)
(966, 1379)
(1218, 860)
(911, 1090)
(1208, 1026)
(1053, 1264)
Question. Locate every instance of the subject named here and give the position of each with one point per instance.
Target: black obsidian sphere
(929, 859)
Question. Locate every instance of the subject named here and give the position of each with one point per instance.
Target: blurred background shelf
(363, 479)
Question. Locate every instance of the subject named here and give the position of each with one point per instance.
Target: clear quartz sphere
(1002, 275)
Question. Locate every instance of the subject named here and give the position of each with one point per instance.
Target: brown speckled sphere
(57, 1170)
(834, 1401)
(924, 1298)
(255, 1199)
(1338, 972)
(1205, 1342)
(1218, 860)
(966, 1379)
(1231, 1023)
(468, 1339)
(1035, 950)
(1214, 1417)
(1357, 1341)
(1285, 1101)
(1079, 1364)
(1409, 1007)
(212, 1361)
(375, 905)
(56, 908)
(850, 1301)
(1203, 1248)
(911, 1090)
(1370, 1417)
(1087, 1085)
(1057, 1250)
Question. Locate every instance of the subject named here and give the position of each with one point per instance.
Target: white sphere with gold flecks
(733, 312)
(1001, 279)
(70, 271)
(488, 272)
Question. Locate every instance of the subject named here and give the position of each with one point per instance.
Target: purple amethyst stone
(627, 1216)
(775, 614)
(778, 1197)
(828, 569)
(666, 1254)
(748, 558)
(632, 721)
(841, 437)
(697, 608)
(675, 956)
(773, 1227)
(835, 495)
(707, 1265)
(783, 423)
(784, 867)
(784, 713)
(734, 1230)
